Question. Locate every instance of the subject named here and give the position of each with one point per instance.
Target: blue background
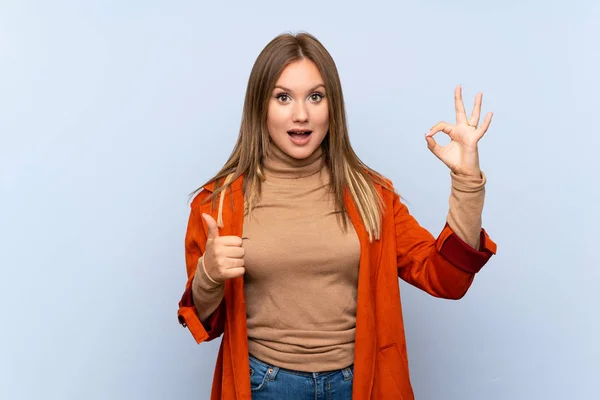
(112, 112)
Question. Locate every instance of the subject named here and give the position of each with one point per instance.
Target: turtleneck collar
(278, 164)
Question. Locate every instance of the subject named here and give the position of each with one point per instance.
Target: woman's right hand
(224, 255)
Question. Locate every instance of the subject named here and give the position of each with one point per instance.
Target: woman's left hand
(461, 154)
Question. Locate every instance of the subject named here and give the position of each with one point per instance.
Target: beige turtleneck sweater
(302, 269)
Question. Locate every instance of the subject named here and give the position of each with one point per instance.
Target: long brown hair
(347, 170)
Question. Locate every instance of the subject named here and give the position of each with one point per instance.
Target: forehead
(301, 74)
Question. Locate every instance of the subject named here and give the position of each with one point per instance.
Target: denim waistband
(347, 372)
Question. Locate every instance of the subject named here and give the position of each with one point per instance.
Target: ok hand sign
(461, 154)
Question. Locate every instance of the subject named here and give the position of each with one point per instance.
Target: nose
(300, 113)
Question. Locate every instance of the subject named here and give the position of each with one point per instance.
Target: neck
(277, 163)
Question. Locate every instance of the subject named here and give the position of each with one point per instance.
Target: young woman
(294, 248)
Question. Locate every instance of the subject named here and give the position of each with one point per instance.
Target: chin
(299, 153)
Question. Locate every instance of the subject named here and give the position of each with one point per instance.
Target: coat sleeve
(443, 267)
(213, 326)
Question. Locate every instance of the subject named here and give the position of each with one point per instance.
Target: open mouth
(299, 137)
(299, 134)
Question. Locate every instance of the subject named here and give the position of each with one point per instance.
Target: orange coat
(443, 267)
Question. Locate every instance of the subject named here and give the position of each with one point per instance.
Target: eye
(316, 97)
(283, 97)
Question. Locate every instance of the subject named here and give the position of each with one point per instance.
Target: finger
(461, 115)
(441, 127)
(234, 252)
(233, 241)
(233, 263)
(474, 120)
(486, 123)
(213, 229)
(433, 146)
(234, 273)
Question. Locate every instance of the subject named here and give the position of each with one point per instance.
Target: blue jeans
(269, 382)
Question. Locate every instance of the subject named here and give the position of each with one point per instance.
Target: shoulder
(382, 184)
(201, 201)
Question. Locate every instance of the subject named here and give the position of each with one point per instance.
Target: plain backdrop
(112, 112)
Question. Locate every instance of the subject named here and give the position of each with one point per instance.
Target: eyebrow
(288, 90)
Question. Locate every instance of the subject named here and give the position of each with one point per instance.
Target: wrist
(468, 183)
(205, 280)
(470, 173)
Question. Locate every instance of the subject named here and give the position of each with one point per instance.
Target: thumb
(213, 229)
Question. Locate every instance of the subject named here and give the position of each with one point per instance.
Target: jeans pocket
(260, 374)
(348, 373)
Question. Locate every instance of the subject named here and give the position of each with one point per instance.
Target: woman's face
(298, 114)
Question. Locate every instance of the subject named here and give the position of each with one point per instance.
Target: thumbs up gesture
(224, 255)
